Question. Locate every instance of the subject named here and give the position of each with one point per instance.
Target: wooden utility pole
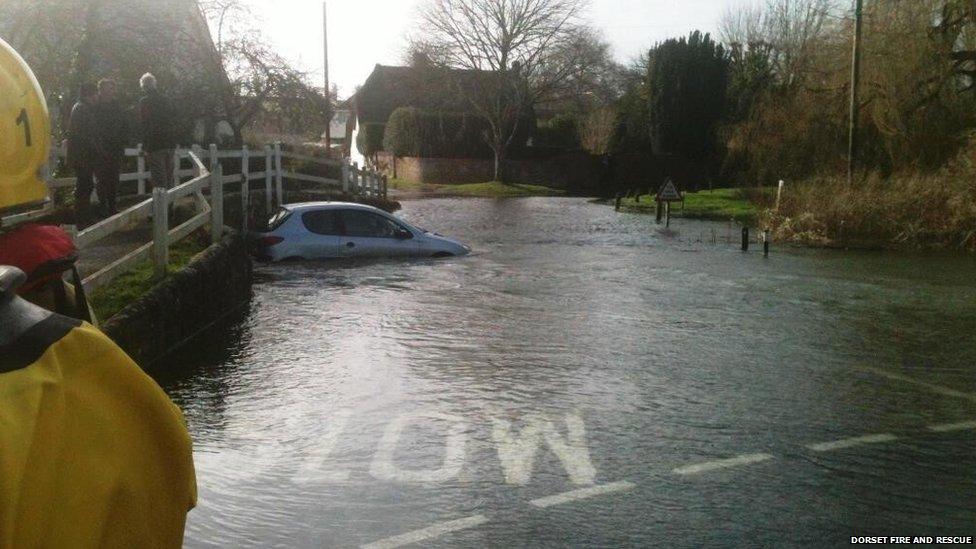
(855, 99)
(328, 92)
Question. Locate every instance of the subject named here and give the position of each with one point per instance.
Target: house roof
(389, 88)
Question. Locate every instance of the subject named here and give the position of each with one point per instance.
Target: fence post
(267, 179)
(213, 158)
(216, 203)
(176, 167)
(198, 151)
(355, 178)
(245, 187)
(141, 169)
(345, 177)
(279, 174)
(160, 232)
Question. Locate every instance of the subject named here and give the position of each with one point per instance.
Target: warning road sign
(669, 193)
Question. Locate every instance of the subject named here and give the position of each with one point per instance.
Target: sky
(363, 33)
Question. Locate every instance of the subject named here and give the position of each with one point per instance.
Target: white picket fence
(204, 169)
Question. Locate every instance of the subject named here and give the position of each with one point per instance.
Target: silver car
(320, 230)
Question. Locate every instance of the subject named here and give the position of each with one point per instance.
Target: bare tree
(259, 81)
(512, 42)
(590, 76)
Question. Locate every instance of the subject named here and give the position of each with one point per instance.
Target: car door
(369, 234)
(324, 232)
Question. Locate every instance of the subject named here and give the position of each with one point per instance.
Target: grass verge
(110, 299)
(490, 189)
(717, 204)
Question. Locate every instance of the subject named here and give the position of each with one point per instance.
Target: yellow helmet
(25, 132)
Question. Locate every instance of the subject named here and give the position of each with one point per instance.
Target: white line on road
(849, 442)
(930, 386)
(706, 466)
(582, 493)
(947, 427)
(430, 532)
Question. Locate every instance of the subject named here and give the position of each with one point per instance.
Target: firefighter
(92, 451)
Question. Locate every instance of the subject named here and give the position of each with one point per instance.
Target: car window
(362, 223)
(279, 219)
(324, 222)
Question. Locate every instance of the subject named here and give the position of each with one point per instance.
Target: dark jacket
(82, 134)
(112, 130)
(156, 118)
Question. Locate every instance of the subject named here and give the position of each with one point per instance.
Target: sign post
(667, 194)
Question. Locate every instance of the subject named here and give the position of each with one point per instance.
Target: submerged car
(322, 230)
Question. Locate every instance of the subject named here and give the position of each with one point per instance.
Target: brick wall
(567, 171)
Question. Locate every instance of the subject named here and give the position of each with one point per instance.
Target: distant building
(422, 86)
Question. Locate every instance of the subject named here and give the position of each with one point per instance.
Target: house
(421, 86)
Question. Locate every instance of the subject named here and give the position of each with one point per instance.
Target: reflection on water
(317, 417)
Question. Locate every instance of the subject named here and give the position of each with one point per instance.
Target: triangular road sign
(669, 193)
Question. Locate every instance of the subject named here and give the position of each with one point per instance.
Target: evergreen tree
(687, 81)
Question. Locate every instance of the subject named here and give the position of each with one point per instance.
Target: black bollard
(766, 243)
(745, 239)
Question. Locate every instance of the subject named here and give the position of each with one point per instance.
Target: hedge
(369, 141)
(431, 134)
(560, 132)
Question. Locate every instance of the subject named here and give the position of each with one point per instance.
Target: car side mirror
(404, 234)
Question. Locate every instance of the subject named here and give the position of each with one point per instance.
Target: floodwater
(445, 400)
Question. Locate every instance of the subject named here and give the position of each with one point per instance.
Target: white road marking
(745, 459)
(517, 452)
(311, 468)
(384, 468)
(849, 442)
(930, 386)
(582, 493)
(430, 532)
(947, 427)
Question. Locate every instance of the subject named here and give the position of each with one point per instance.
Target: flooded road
(585, 379)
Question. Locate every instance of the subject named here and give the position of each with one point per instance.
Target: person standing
(82, 147)
(112, 129)
(158, 139)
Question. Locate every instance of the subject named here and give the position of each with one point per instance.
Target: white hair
(148, 81)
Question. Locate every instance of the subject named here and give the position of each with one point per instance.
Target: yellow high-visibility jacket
(92, 451)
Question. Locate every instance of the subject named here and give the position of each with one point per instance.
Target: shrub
(433, 134)
(369, 141)
(559, 132)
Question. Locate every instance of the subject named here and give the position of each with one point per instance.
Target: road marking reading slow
(930, 386)
(744, 459)
(850, 442)
(430, 532)
(948, 427)
(384, 468)
(582, 493)
(517, 451)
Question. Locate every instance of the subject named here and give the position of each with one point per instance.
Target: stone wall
(215, 283)
(574, 171)
(444, 170)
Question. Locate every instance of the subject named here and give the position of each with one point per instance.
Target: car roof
(308, 206)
